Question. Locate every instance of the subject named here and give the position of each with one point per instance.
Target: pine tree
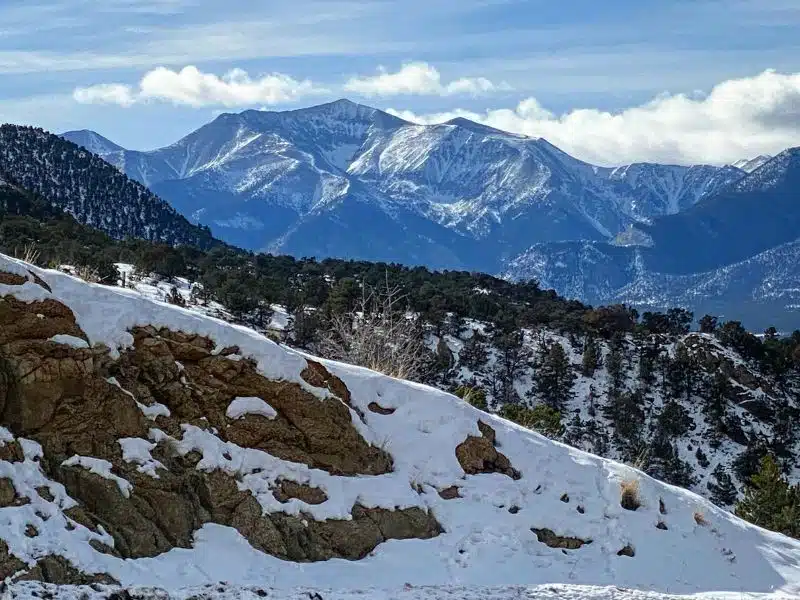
(474, 355)
(512, 358)
(554, 378)
(708, 324)
(681, 373)
(614, 368)
(770, 502)
(723, 491)
(591, 357)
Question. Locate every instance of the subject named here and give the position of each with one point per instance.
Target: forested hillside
(72, 179)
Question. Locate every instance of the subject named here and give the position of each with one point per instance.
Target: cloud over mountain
(192, 87)
(738, 117)
(418, 78)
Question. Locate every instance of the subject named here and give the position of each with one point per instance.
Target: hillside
(349, 181)
(148, 445)
(302, 299)
(81, 184)
(755, 214)
(761, 290)
(691, 409)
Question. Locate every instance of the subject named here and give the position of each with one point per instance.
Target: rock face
(81, 401)
(479, 455)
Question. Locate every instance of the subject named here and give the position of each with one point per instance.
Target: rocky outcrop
(81, 401)
(450, 493)
(287, 490)
(378, 409)
(180, 372)
(479, 454)
(8, 494)
(551, 539)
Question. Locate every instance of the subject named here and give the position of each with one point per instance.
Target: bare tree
(380, 334)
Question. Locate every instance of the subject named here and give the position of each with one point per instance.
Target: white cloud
(106, 93)
(192, 87)
(738, 118)
(418, 78)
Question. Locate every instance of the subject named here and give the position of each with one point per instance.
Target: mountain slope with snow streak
(443, 494)
(453, 195)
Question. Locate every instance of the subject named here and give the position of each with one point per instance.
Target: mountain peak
(92, 141)
(465, 123)
(772, 172)
(748, 165)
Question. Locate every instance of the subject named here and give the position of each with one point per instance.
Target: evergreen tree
(681, 373)
(474, 395)
(647, 356)
(554, 377)
(591, 357)
(473, 354)
(722, 489)
(708, 324)
(770, 502)
(666, 463)
(615, 369)
(513, 356)
(542, 418)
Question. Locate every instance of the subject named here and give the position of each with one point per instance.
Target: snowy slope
(486, 538)
(287, 181)
(751, 411)
(751, 164)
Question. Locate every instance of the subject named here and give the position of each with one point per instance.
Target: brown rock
(377, 408)
(450, 493)
(627, 551)
(548, 537)
(9, 496)
(59, 571)
(286, 490)
(8, 492)
(45, 493)
(479, 455)
(319, 376)
(10, 451)
(12, 279)
(9, 564)
(22, 321)
(60, 397)
(318, 433)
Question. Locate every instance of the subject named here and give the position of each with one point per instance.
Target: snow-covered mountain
(144, 445)
(748, 165)
(761, 291)
(459, 194)
(733, 253)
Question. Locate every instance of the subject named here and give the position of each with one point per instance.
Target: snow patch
(250, 406)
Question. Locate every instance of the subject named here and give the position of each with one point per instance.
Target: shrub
(629, 494)
(541, 418)
(474, 396)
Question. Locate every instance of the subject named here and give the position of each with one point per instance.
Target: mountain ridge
(276, 170)
(81, 184)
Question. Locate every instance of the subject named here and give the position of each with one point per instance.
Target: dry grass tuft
(29, 254)
(88, 274)
(629, 498)
(700, 518)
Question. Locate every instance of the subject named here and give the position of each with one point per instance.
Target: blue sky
(527, 65)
